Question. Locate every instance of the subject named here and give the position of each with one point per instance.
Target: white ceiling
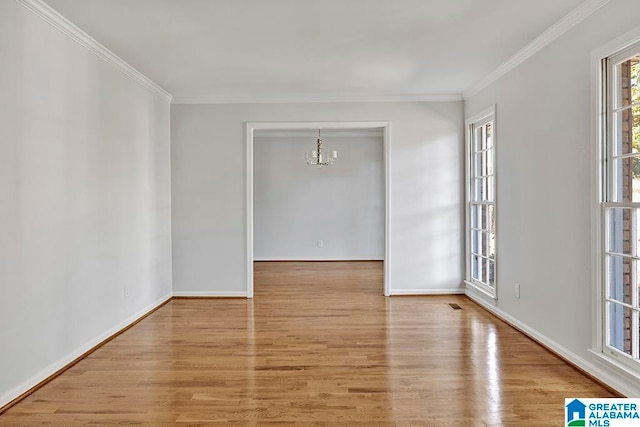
(270, 49)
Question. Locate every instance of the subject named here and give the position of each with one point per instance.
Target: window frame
(604, 93)
(471, 124)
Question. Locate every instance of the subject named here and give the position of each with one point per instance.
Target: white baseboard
(61, 363)
(210, 294)
(317, 258)
(620, 383)
(427, 292)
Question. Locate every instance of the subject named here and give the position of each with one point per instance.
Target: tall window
(481, 203)
(621, 207)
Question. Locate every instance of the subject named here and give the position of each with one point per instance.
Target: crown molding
(62, 24)
(316, 98)
(576, 16)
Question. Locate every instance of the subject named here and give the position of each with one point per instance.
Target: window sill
(621, 377)
(606, 361)
(480, 292)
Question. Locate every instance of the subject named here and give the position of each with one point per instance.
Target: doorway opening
(255, 190)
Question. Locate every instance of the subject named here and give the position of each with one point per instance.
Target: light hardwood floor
(320, 345)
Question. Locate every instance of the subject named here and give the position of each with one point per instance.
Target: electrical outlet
(516, 290)
(320, 243)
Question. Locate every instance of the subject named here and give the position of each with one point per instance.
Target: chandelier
(318, 158)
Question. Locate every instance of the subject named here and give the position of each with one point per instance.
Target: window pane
(483, 170)
(623, 231)
(476, 268)
(476, 242)
(482, 189)
(629, 88)
(491, 245)
(482, 216)
(489, 130)
(488, 218)
(485, 189)
(485, 270)
(477, 146)
(621, 276)
(487, 245)
(627, 131)
(489, 155)
(620, 321)
(483, 243)
(491, 273)
(476, 216)
(475, 190)
(477, 165)
(490, 194)
(483, 140)
(626, 180)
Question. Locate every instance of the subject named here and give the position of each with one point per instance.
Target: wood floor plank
(318, 345)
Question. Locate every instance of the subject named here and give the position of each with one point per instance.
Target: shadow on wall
(432, 214)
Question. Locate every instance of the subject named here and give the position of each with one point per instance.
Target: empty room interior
(290, 212)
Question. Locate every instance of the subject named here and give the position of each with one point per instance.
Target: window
(481, 205)
(620, 204)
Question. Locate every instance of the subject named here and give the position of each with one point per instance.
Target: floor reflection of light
(493, 383)
(391, 380)
(251, 357)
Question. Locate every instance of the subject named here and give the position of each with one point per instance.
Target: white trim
(211, 294)
(326, 133)
(576, 16)
(316, 98)
(60, 23)
(316, 258)
(598, 137)
(601, 372)
(480, 119)
(479, 292)
(614, 367)
(482, 116)
(387, 209)
(400, 292)
(53, 368)
(618, 44)
(250, 127)
(249, 207)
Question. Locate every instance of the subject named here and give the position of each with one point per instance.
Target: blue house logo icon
(576, 413)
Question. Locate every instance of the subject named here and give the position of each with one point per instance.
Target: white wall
(208, 190)
(544, 188)
(85, 199)
(295, 204)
